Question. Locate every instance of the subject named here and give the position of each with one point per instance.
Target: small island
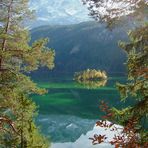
(91, 78)
(91, 75)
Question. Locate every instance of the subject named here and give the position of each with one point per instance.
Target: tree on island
(90, 74)
(91, 78)
(134, 117)
(17, 57)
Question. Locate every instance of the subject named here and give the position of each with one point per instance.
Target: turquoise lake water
(69, 109)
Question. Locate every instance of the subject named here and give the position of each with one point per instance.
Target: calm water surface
(70, 109)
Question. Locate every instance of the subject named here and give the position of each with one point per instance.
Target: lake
(70, 110)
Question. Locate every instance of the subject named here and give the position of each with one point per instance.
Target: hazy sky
(59, 11)
(71, 11)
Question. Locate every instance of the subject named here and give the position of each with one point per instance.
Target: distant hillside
(82, 46)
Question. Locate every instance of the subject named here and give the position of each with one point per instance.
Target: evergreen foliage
(17, 110)
(137, 85)
(134, 118)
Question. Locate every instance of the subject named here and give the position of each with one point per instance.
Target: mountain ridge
(82, 46)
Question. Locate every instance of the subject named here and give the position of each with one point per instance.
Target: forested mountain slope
(82, 46)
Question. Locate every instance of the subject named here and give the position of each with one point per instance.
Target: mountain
(81, 46)
(58, 12)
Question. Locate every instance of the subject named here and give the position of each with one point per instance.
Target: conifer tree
(134, 117)
(17, 111)
(137, 84)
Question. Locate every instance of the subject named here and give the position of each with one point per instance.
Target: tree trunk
(3, 48)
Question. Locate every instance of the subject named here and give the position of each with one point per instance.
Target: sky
(63, 12)
(59, 11)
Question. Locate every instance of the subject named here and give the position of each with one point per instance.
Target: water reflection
(69, 111)
(91, 78)
(93, 84)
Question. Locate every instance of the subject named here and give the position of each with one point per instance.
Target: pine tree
(134, 117)
(137, 85)
(17, 111)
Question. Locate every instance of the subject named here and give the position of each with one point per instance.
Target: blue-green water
(69, 109)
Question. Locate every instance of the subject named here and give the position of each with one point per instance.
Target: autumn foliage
(127, 137)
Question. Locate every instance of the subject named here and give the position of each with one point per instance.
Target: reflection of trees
(91, 78)
(89, 84)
